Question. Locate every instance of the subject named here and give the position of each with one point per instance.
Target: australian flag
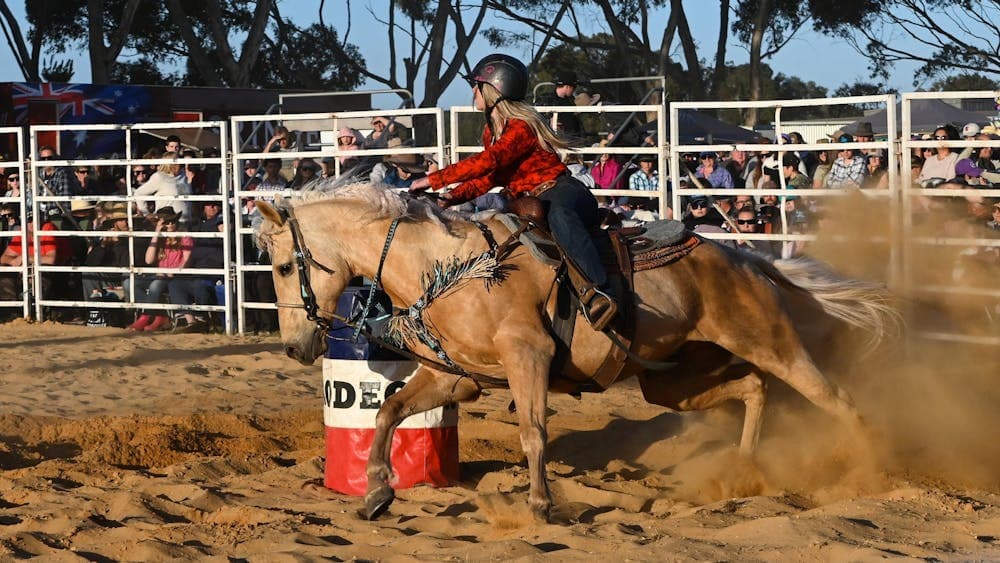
(55, 103)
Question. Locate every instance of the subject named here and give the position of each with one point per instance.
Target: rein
(304, 260)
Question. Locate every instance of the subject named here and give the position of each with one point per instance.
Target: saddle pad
(663, 255)
(543, 249)
(658, 234)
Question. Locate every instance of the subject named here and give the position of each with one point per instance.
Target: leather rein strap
(304, 260)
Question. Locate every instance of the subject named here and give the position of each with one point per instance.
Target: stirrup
(600, 310)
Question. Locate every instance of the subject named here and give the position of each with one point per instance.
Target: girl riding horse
(520, 153)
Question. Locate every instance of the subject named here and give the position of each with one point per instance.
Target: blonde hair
(167, 167)
(506, 109)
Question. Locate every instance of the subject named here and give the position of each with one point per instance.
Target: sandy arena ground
(138, 447)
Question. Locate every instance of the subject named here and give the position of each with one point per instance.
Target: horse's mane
(378, 202)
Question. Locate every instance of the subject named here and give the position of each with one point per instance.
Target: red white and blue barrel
(424, 446)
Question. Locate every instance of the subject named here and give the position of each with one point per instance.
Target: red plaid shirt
(516, 160)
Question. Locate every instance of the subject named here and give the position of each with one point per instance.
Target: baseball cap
(708, 153)
(966, 167)
(970, 130)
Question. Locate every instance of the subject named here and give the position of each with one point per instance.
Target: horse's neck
(413, 251)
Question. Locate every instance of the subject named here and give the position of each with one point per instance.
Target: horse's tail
(865, 305)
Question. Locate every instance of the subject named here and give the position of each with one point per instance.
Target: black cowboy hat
(168, 213)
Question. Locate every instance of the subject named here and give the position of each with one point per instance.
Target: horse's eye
(285, 269)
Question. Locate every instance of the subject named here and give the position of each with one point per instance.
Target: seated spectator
(383, 129)
(165, 182)
(574, 163)
(272, 180)
(701, 212)
(791, 169)
(878, 172)
(306, 175)
(966, 172)
(402, 169)
(645, 178)
(748, 222)
(13, 184)
(745, 202)
(349, 139)
(83, 182)
(709, 169)
(109, 250)
(848, 171)
(282, 141)
(725, 203)
(207, 253)
(53, 180)
(53, 251)
(739, 167)
(162, 252)
(824, 162)
(605, 172)
(941, 166)
(329, 167)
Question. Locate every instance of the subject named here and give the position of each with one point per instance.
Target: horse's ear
(270, 213)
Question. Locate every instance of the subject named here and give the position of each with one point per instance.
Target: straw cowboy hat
(81, 205)
(117, 211)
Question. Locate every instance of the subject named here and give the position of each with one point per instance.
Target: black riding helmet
(505, 73)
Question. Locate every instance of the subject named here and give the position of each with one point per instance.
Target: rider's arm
(477, 171)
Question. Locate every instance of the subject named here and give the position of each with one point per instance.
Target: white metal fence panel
(17, 204)
(313, 131)
(48, 202)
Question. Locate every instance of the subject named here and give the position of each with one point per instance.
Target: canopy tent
(696, 128)
(925, 116)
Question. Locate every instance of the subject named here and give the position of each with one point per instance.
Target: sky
(827, 61)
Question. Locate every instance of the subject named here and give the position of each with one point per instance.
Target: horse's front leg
(526, 363)
(428, 389)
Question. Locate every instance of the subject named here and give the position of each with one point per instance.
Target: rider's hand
(420, 184)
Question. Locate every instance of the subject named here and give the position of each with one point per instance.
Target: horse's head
(299, 280)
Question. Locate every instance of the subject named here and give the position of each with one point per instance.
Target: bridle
(304, 260)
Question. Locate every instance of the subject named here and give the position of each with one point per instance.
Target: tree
(964, 82)
(941, 35)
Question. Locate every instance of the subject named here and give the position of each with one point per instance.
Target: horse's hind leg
(688, 388)
(779, 351)
(428, 389)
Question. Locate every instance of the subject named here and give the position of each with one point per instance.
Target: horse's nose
(293, 352)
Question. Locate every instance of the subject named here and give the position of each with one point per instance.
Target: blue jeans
(572, 213)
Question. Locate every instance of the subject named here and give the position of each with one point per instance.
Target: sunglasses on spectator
(746, 221)
(83, 171)
(13, 179)
(699, 205)
(170, 221)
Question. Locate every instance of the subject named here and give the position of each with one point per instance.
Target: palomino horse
(714, 305)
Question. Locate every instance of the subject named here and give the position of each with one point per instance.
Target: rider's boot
(599, 307)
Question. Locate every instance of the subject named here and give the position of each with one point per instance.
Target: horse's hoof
(377, 502)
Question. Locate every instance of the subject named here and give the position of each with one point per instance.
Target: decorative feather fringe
(445, 276)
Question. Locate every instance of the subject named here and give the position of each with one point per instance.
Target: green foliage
(58, 71)
(309, 58)
(964, 82)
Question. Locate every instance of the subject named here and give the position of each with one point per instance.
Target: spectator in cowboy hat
(403, 169)
(568, 123)
(864, 134)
